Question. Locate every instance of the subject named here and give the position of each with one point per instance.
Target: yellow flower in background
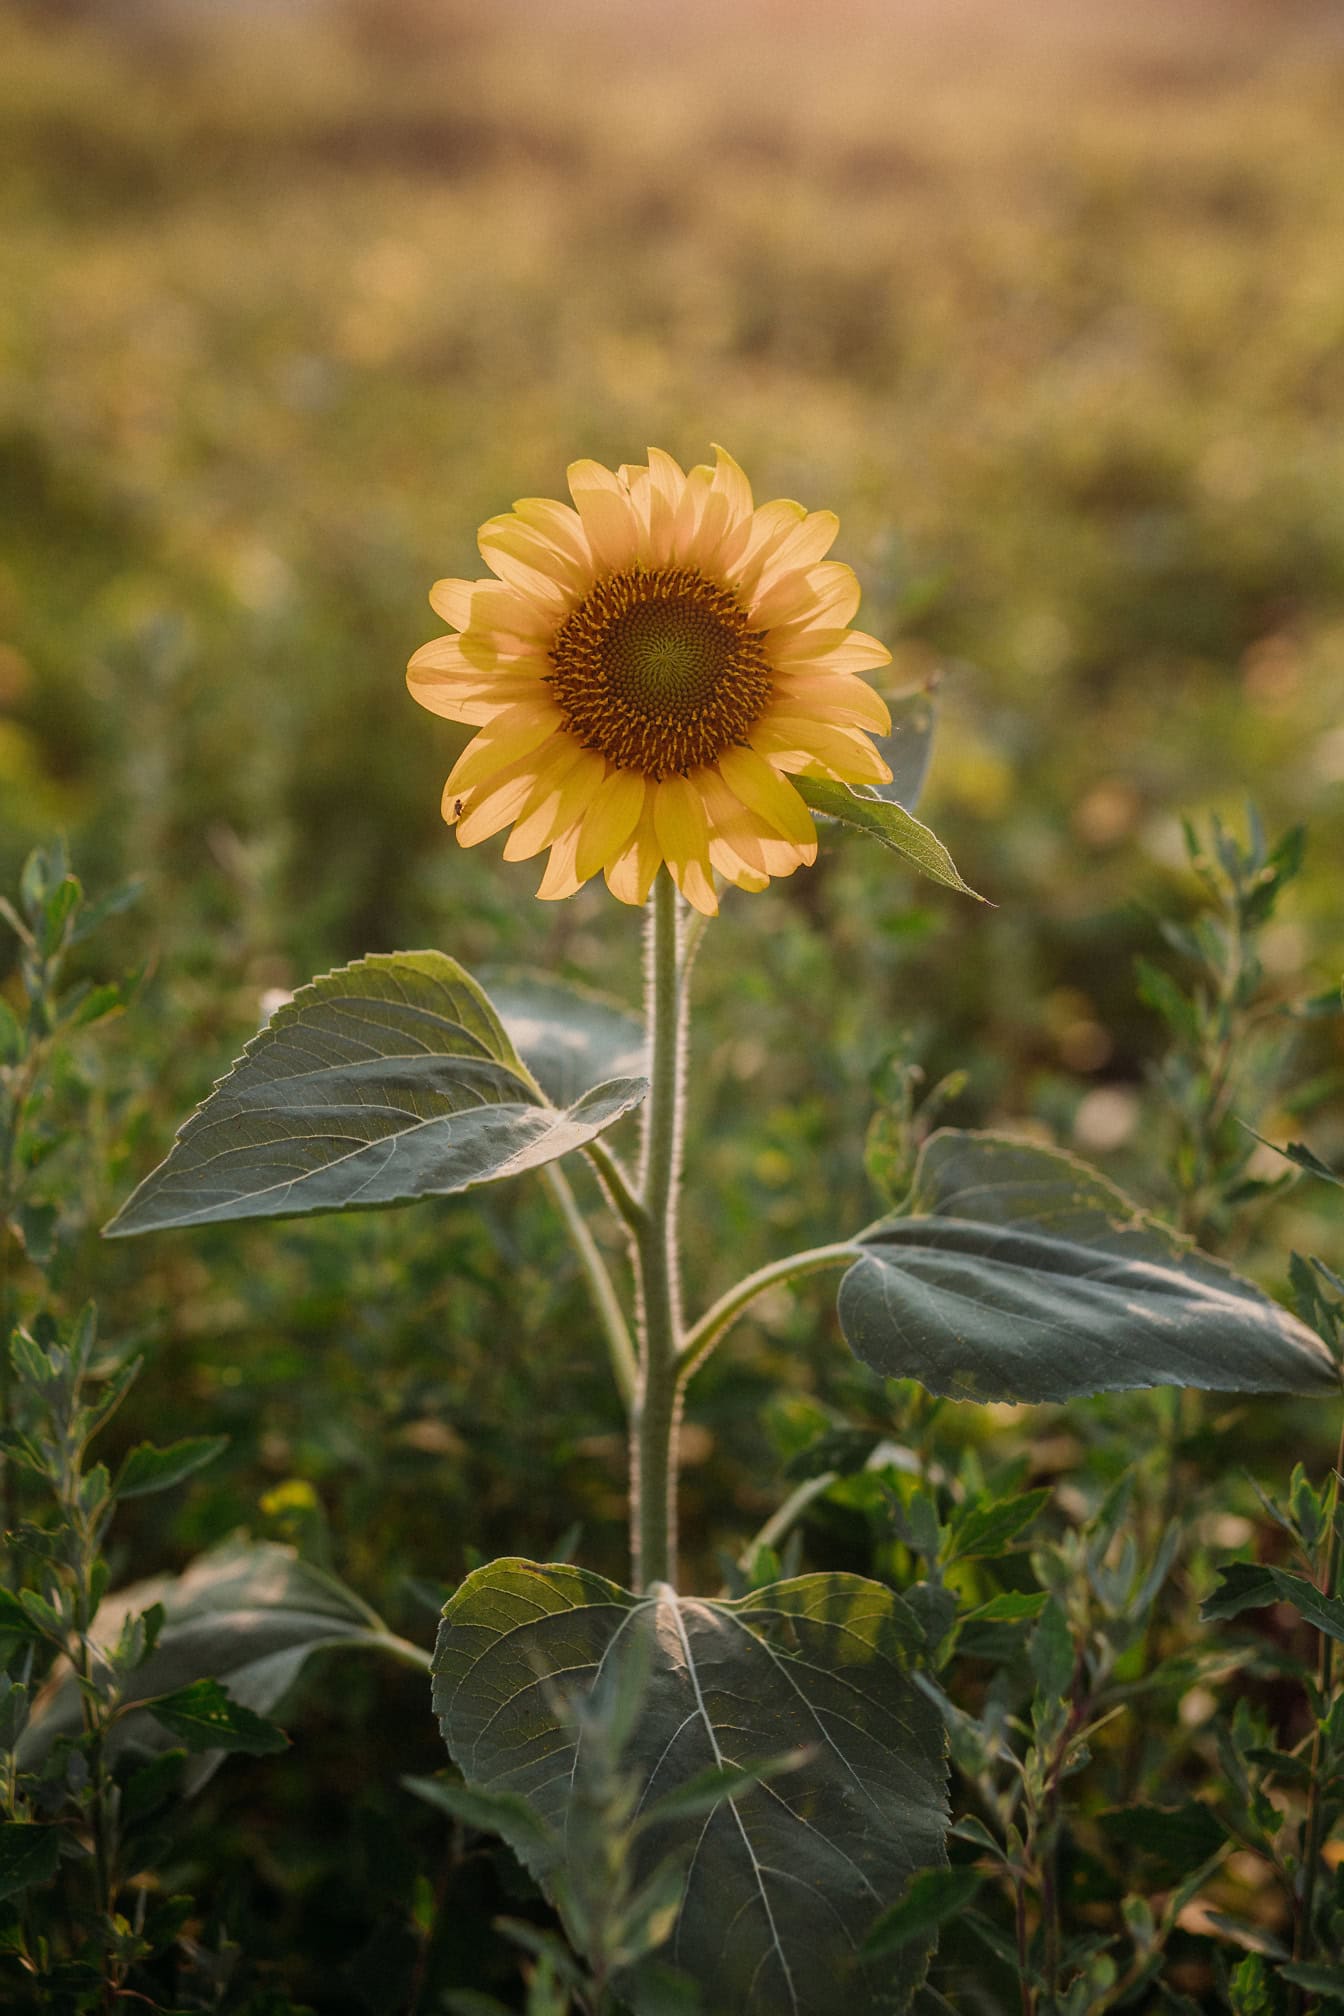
(646, 671)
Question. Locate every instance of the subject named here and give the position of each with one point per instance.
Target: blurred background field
(1047, 302)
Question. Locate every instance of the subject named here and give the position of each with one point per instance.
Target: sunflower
(646, 671)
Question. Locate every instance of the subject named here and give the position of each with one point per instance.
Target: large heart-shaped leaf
(1021, 1274)
(387, 1080)
(780, 1881)
(884, 819)
(568, 1036)
(248, 1614)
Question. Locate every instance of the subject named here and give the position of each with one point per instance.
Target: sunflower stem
(657, 1409)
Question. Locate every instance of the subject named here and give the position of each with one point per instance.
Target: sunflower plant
(666, 689)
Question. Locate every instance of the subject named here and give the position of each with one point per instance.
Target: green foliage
(884, 819)
(770, 1889)
(389, 1080)
(1020, 1274)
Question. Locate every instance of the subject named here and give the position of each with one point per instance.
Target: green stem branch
(605, 1299)
(703, 1335)
(621, 1194)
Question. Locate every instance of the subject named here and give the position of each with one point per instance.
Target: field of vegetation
(1047, 303)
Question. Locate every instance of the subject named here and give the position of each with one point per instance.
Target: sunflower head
(646, 670)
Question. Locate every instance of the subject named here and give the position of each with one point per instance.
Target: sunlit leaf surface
(387, 1080)
(783, 1879)
(1021, 1274)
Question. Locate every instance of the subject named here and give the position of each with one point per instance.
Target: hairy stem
(657, 1407)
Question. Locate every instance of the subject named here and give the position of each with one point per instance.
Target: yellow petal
(515, 733)
(853, 651)
(608, 520)
(511, 618)
(560, 524)
(683, 835)
(690, 513)
(769, 524)
(846, 701)
(782, 857)
(667, 486)
(561, 878)
(630, 875)
(766, 793)
(529, 563)
(452, 600)
(819, 749)
(819, 598)
(565, 782)
(479, 698)
(730, 864)
(610, 820)
(731, 483)
(803, 547)
(491, 806)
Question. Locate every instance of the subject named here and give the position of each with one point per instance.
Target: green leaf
(502, 1813)
(1021, 1274)
(248, 1614)
(57, 911)
(1177, 1838)
(1327, 1981)
(1298, 1152)
(859, 806)
(781, 1881)
(568, 1036)
(1010, 1606)
(149, 1469)
(204, 1717)
(28, 1854)
(1246, 1585)
(1052, 1653)
(986, 1526)
(385, 1081)
(12, 1041)
(934, 1896)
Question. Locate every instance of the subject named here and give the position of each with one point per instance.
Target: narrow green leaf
(1326, 1981)
(387, 1080)
(1052, 1653)
(859, 806)
(986, 1526)
(149, 1469)
(934, 1896)
(502, 1813)
(781, 1880)
(29, 1853)
(706, 1792)
(1246, 1585)
(204, 1717)
(1020, 1274)
(57, 911)
(1011, 1606)
(12, 1042)
(1177, 1838)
